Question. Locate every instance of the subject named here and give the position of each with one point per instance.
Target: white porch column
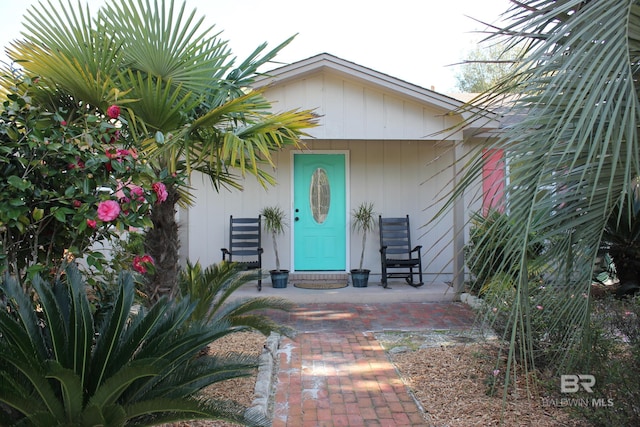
(459, 221)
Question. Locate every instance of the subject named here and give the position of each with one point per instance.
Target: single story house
(380, 140)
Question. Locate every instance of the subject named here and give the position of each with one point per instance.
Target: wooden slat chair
(245, 244)
(396, 251)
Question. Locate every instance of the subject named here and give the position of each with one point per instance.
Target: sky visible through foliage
(413, 40)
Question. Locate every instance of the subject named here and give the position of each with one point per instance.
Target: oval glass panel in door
(319, 195)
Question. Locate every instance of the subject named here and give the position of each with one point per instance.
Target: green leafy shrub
(487, 254)
(68, 181)
(613, 357)
(621, 241)
(63, 363)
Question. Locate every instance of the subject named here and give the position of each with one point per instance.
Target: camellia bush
(68, 181)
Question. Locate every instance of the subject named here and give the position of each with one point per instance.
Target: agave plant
(63, 364)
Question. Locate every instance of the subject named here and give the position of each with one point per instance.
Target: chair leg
(384, 276)
(411, 282)
(259, 285)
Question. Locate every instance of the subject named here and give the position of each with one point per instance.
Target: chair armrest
(417, 248)
(260, 250)
(225, 252)
(383, 250)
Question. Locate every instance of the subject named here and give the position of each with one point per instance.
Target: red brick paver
(335, 373)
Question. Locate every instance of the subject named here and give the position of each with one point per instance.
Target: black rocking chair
(396, 251)
(245, 244)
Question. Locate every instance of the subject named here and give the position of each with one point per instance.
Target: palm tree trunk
(162, 243)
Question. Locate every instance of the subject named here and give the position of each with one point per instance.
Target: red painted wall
(493, 180)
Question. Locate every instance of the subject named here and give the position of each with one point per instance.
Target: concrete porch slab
(398, 291)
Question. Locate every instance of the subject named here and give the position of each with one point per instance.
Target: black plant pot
(279, 278)
(360, 278)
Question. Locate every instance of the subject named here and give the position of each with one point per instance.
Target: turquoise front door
(319, 212)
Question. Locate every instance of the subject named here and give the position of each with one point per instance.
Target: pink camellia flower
(77, 203)
(130, 192)
(140, 263)
(113, 111)
(63, 123)
(92, 223)
(108, 210)
(137, 193)
(121, 152)
(161, 191)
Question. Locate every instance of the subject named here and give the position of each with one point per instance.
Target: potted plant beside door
(274, 223)
(363, 221)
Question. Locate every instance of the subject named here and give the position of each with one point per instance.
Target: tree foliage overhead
(575, 140)
(484, 67)
(184, 92)
(186, 100)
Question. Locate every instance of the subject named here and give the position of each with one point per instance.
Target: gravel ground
(451, 374)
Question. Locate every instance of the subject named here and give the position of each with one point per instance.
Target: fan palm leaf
(168, 43)
(68, 51)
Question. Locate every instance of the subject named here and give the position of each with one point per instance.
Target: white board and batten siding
(387, 127)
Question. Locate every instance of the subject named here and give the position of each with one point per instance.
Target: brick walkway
(335, 373)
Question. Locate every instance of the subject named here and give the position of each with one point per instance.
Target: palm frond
(161, 411)
(237, 135)
(213, 288)
(68, 50)
(166, 42)
(157, 103)
(572, 152)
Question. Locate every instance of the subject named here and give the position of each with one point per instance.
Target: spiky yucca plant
(274, 223)
(364, 221)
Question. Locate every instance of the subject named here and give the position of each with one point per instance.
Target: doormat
(320, 285)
